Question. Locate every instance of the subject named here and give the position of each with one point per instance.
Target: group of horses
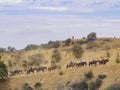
(32, 70)
(90, 63)
(53, 67)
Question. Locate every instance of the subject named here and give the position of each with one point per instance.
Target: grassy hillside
(101, 47)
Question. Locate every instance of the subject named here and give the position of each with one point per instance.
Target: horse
(52, 68)
(15, 72)
(70, 65)
(81, 64)
(41, 69)
(93, 62)
(103, 61)
(31, 70)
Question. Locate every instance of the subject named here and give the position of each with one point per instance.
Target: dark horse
(70, 65)
(103, 61)
(41, 69)
(15, 72)
(52, 68)
(93, 62)
(81, 64)
(31, 70)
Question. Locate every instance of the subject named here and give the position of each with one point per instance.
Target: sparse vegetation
(35, 59)
(32, 47)
(56, 57)
(115, 86)
(26, 86)
(67, 42)
(89, 75)
(37, 86)
(77, 51)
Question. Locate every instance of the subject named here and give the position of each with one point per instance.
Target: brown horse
(52, 68)
(15, 72)
(81, 64)
(31, 70)
(41, 69)
(103, 61)
(93, 62)
(70, 65)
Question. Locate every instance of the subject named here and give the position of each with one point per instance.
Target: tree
(11, 49)
(77, 51)
(31, 47)
(3, 70)
(2, 50)
(67, 42)
(92, 36)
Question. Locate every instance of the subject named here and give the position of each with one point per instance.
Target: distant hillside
(60, 53)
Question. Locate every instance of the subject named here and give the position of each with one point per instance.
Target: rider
(80, 60)
(30, 67)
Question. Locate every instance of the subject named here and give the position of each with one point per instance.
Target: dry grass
(50, 80)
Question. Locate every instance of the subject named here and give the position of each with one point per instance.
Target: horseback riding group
(90, 63)
(53, 66)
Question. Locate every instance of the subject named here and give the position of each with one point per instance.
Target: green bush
(37, 86)
(91, 36)
(96, 84)
(26, 86)
(102, 76)
(77, 51)
(117, 60)
(67, 42)
(80, 86)
(56, 57)
(89, 75)
(3, 70)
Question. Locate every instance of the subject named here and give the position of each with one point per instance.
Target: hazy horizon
(26, 22)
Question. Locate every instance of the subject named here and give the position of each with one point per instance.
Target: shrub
(56, 57)
(92, 36)
(115, 86)
(89, 75)
(54, 44)
(77, 51)
(61, 73)
(80, 86)
(102, 76)
(36, 59)
(92, 86)
(31, 47)
(108, 54)
(117, 60)
(9, 63)
(26, 86)
(37, 86)
(67, 42)
(3, 70)
(91, 45)
(96, 84)
(60, 87)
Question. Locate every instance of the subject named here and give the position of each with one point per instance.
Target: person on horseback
(71, 62)
(30, 67)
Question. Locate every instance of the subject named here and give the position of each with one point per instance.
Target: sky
(24, 22)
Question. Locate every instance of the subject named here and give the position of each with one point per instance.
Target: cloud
(61, 5)
(49, 8)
